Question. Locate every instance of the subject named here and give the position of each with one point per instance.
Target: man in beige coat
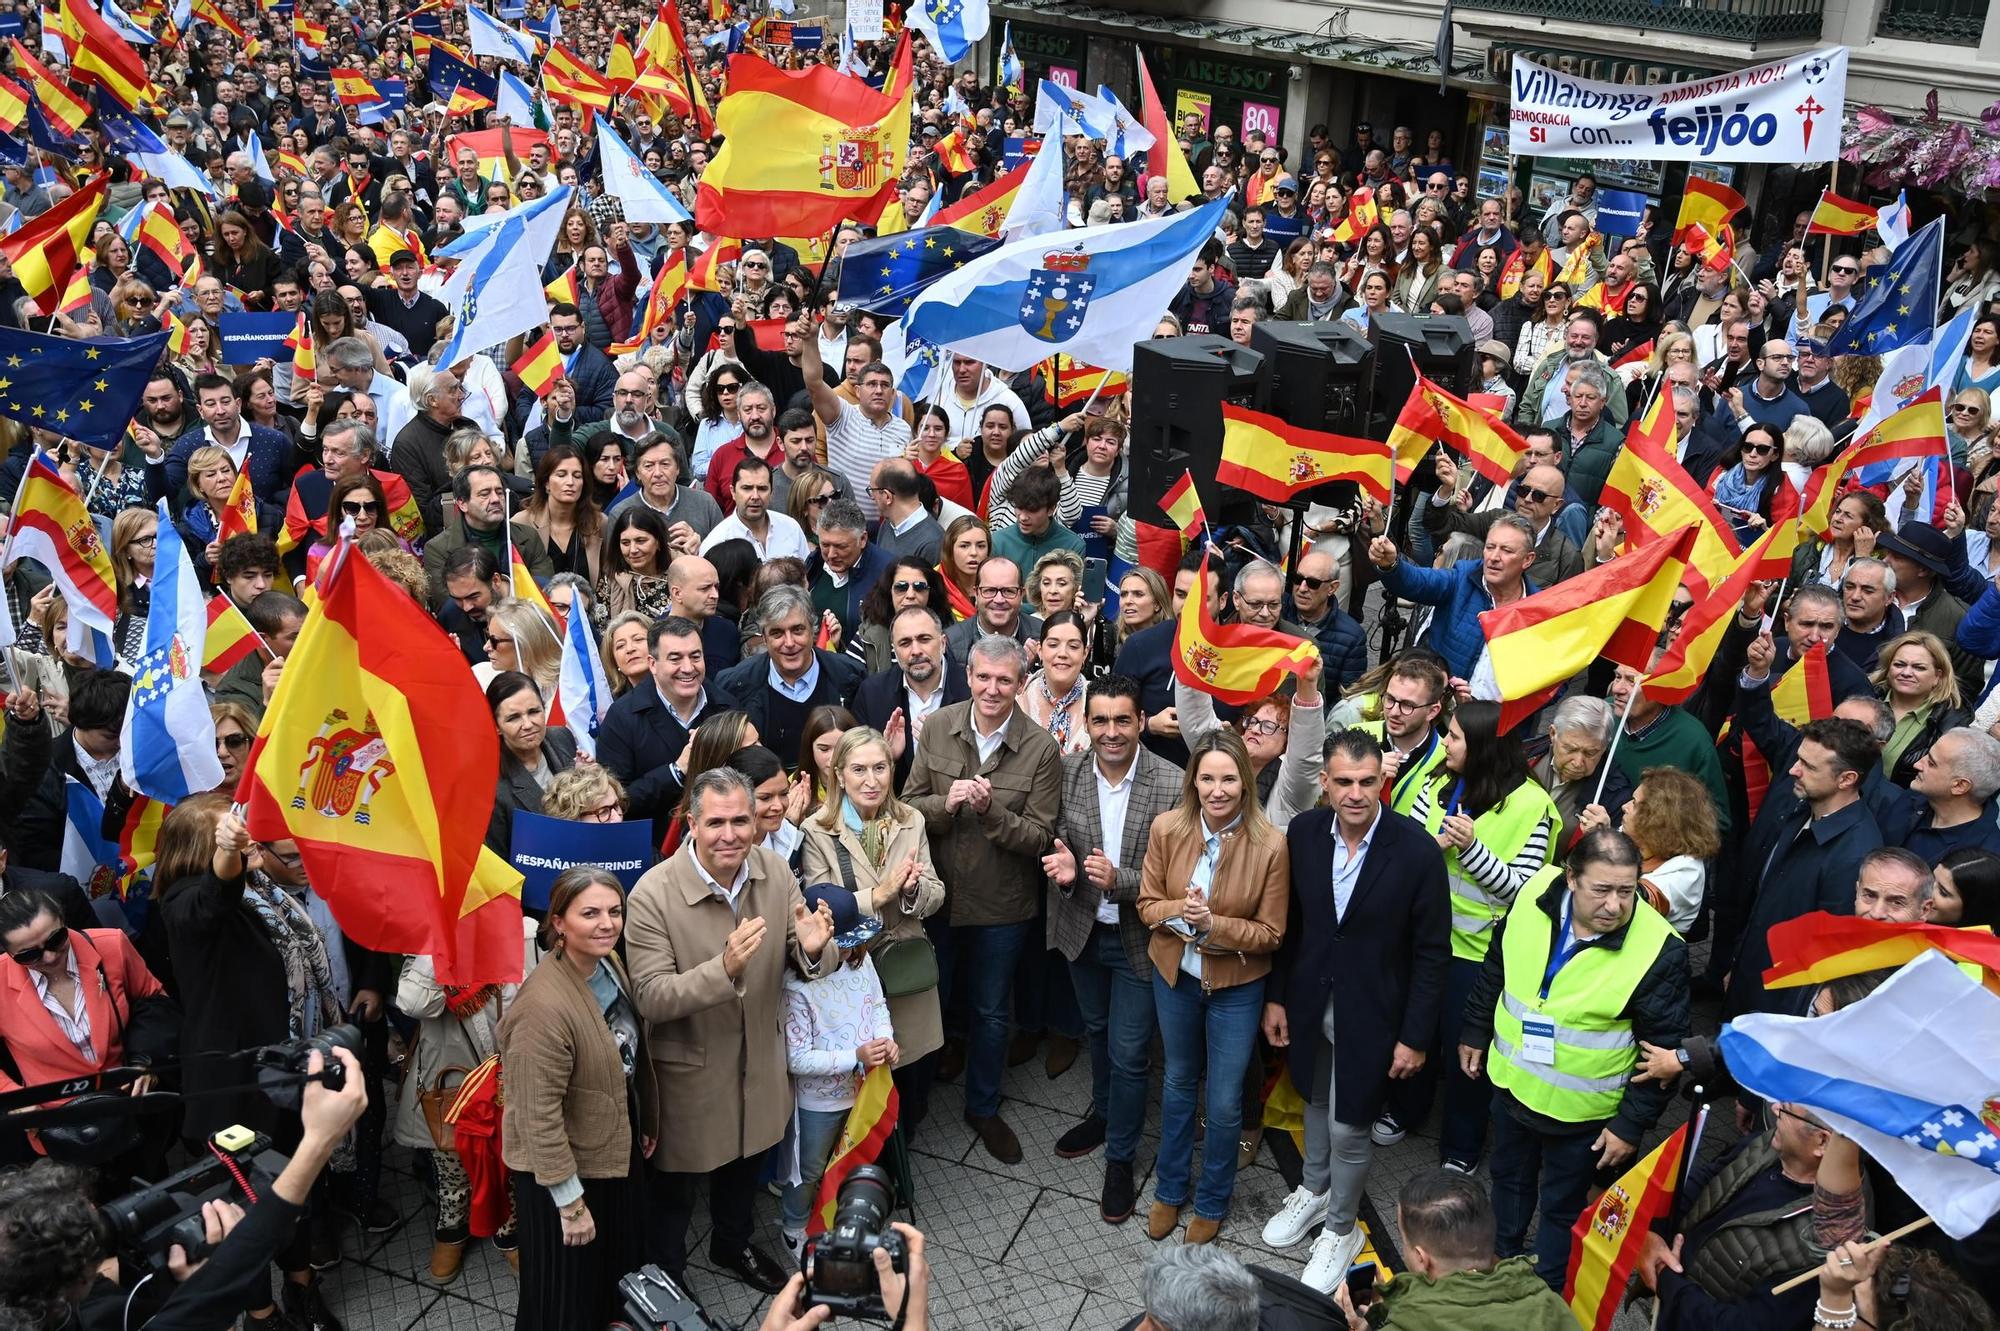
(988, 782)
(710, 984)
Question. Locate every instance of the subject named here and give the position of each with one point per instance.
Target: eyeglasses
(355, 508)
(234, 743)
(1391, 703)
(1964, 408)
(1262, 726)
(51, 946)
(1310, 584)
(603, 813)
(917, 585)
(999, 593)
(145, 540)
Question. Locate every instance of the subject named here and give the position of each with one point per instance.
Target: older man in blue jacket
(1460, 593)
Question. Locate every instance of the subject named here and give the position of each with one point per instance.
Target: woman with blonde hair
(811, 493)
(628, 659)
(875, 845)
(135, 537)
(1143, 601)
(1215, 891)
(1914, 676)
(235, 728)
(520, 636)
(585, 793)
(1671, 817)
(1055, 583)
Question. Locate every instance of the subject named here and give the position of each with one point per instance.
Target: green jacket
(1510, 1297)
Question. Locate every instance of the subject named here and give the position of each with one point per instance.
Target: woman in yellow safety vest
(1496, 826)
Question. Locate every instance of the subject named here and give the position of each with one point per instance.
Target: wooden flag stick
(1888, 1238)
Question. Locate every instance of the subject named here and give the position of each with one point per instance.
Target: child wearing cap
(837, 1028)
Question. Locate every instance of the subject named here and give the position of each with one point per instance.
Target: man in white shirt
(1111, 795)
(859, 434)
(775, 535)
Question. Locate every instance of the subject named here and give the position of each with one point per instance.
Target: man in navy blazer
(645, 731)
(924, 678)
(1355, 989)
(269, 455)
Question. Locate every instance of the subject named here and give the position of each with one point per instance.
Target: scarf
(309, 997)
(874, 833)
(1062, 721)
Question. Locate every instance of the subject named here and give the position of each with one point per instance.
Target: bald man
(694, 592)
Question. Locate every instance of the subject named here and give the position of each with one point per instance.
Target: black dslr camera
(281, 1068)
(840, 1264)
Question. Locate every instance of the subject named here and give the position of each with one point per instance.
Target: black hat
(1920, 543)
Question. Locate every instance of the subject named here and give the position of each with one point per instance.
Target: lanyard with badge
(1538, 1034)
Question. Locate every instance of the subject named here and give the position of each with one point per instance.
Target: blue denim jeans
(1538, 1170)
(1214, 1032)
(1117, 1009)
(983, 964)
(819, 1133)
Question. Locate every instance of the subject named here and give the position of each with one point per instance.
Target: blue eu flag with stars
(885, 274)
(88, 391)
(1899, 306)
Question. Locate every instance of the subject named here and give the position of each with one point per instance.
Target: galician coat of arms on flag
(1057, 295)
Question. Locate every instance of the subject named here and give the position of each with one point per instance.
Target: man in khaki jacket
(709, 982)
(988, 782)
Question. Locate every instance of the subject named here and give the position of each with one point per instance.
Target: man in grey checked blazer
(1110, 796)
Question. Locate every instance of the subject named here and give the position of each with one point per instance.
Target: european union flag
(86, 390)
(885, 274)
(1900, 305)
(48, 138)
(13, 152)
(447, 72)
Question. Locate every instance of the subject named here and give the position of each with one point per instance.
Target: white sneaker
(1301, 1211)
(1332, 1255)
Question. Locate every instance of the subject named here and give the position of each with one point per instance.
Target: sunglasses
(1759, 448)
(917, 586)
(355, 508)
(1532, 495)
(1846, 271)
(1310, 584)
(492, 641)
(51, 946)
(1964, 409)
(234, 743)
(727, 388)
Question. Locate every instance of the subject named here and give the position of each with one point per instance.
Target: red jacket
(615, 298)
(112, 976)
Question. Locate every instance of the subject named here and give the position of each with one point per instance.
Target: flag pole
(1604, 773)
(1886, 1239)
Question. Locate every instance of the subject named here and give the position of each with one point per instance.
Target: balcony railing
(1956, 22)
(1730, 20)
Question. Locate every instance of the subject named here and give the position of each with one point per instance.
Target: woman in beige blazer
(1215, 891)
(875, 845)
(579, 1094)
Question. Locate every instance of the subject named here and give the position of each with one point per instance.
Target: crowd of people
(926, 789)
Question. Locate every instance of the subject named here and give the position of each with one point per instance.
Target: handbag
(905, 966)
(436, 1101)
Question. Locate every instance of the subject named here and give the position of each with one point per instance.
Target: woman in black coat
(531, 753)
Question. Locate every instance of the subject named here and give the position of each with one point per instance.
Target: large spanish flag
(1275, 461)
(363, 760)
(1681, 670)
(52, 527)
(1706, 204)
(102, 57)
(1165, 157)
(1611, 1233)
(1835, 216)
(1614, 611)
(1818, 947)
(802, 151)
(1653, 494)
(59, 103)
(1433, 415)
(1238, 663)
(985, 209)
(566, 78)
(46, 249)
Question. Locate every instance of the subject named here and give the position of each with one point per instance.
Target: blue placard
(1619, 211)
(249, 338)
(11, 25)
(1018, 150)
(544, 847)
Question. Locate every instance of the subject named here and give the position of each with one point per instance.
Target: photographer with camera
(56, 1268)
(904, 1296)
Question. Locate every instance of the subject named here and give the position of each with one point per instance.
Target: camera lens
(868, 1195)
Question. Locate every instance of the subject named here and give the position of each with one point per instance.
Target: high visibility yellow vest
(1504, 830)
(1403, 791)
(1595, 1050)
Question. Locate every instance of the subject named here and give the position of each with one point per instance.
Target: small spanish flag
(1434, 416)
(522, 581)
(1835, 216)
(985, 209)
(352, 87)
(13, 105)
(1706, 204)
(292, 162)
(1276, 461)
(1803, 693)
(230, 637)
(1576, 271)
(869, 1125)
(45, 250)
(177, 333)
(139, 839)
(465, 99)
(1638, 355)
(61, 105)
(239, 511)
(1071, 381)
(564, 290)
(1362, 213)
(1182, 503)
(540, 365)
(305, 361)
(1820, 946)
(952, 153)
(703, 272)
(1238, 663)
(1611, 1233)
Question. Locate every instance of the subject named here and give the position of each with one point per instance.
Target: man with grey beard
(633, 403)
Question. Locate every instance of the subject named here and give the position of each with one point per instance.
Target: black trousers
(732, 1190)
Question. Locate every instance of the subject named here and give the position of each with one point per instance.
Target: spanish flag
(1182, 503)
(465, 99)
(952, 153)
(13, 105)
(1517, 268)
(46, 249)
(802, 151)
(350, 764)
(1362, 213)
(1680, 671)
(1577, 272)
(1181, 183)
(540, 366)
(177, 333)
(1835, 216)
(305, 361)
(703, 273)
(1613, 611)
(207, 12)
(309, 34)
(230, 637)
(565, 78)
(522, 582)
(985, 209)
(158, 233)
(1433, 415)
(1917, 431)
(239, 511)
(1238, 663)
(52, 528)
(621, 68)
(1071, 381)
(1803, 693)
(59, 104)
(139, 840)
(100, 56)
(1276, 461)
(669, 285)
(869, 1125)
(1611, 1233)
(352, 87)
(1715, 250)
(1653, 494)
(1820, 946)
(1707, 204)
(564, 290)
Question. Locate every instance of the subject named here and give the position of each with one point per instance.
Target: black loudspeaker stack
(1178, 387)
